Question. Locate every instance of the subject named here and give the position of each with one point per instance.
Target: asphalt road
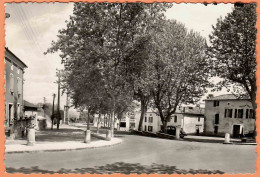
(138, 152)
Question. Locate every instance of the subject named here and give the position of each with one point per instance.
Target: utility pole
(52, 116)
(66, 110)
(58, 105)
(44, 102)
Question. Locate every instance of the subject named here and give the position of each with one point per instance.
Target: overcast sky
(32, 26)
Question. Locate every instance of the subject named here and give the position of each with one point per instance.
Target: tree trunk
(88, 122)
(99, 117)
(143, 111)
(112, 123)
(52, 124)
(164, 126)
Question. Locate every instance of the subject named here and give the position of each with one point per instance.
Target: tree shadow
(118, 167)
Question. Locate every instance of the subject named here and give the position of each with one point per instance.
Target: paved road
(145, 151)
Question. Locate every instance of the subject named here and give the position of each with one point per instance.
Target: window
(145, 119)
(198, 119)
(122, 124)
(11, 83)
(150, 128)
(250, 113)
(216, 103)
(239, 113)
(151, 119)
(145, 129)
(175, 119)
(228, 113)
(216, 118)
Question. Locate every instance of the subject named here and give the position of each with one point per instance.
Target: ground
(139, 154)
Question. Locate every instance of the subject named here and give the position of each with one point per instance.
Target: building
(14, 71)
(190, 119)
(229, 114)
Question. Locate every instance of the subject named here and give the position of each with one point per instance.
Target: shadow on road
(118, 167)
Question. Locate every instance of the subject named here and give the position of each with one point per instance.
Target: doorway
(236, 131)
(10, 115)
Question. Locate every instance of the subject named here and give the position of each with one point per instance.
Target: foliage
(179, 68)
(233, 50)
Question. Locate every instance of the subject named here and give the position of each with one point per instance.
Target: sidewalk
(214, 140)
(66, 138)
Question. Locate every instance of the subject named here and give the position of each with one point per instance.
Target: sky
(32, 27)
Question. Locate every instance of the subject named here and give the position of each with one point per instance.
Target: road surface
(139, 151)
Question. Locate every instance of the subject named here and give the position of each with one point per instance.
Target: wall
(191, 122)
(226, 124)
(14, 98)
(155, 124)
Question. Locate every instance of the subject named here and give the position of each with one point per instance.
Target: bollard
(87, 137)
(178, 129)
(30, 136)
(227, 138)
(108, 135)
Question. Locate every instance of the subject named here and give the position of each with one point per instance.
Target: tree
(179, 68)
(139, 65)
(233, 50)
(96, 47)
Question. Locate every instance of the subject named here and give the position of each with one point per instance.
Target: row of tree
(114, 53)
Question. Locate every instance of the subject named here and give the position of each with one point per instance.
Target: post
(108, 135)
(87, 138)
(31, 137)
(178, 129)
(227, 138)
(66, 111)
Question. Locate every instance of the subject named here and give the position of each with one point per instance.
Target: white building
(190, 119)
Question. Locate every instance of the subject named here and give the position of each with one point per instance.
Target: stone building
(229, 114)
(14, 71)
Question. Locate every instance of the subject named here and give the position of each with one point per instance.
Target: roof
(9, 51)
(184, 110)
(191, 110)
(229, 97)
(29, 105)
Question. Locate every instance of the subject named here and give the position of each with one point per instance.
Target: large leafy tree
(233, 50)
(96, 48)
(140, 65)
(179, 68)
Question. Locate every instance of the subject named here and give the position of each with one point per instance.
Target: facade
(228, 114)
(127, 122)
(14, 70)
(190, 119)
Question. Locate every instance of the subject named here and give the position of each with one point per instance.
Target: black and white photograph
(130, 88)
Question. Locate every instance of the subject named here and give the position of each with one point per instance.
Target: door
(216, 129)
(10, 115)
(236, 131)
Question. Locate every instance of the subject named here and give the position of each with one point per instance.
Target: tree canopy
(233, 50)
